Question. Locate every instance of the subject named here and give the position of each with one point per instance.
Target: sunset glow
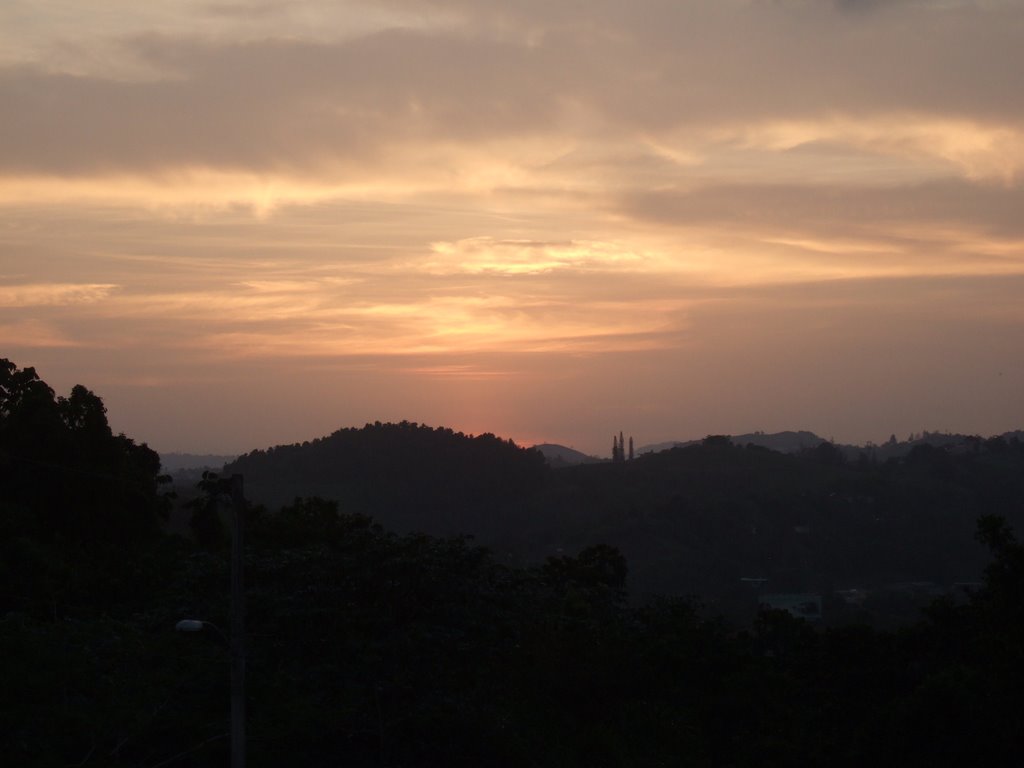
(244, 223)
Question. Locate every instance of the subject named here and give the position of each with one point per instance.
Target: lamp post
(233, 487)
(198, 625)
(237, 623)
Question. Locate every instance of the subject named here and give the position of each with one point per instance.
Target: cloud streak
(52, 294)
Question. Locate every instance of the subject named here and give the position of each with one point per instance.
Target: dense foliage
(77, 499)
(368, 648)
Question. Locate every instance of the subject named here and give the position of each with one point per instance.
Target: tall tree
(63, 468)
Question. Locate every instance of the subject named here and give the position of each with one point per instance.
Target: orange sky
(247, 223)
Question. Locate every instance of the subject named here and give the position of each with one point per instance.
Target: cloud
(897, 217)
(526, 257)
(53, 294)
(749, 233)
(978, 150)
(337, 110)
(271, 106)
(464, 371)
(34, 334)
(66, 37)
(313, 324)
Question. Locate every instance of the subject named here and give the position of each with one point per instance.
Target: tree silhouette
(61, 463)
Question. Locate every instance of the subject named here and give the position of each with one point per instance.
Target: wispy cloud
(527, 257)
(53, 294)
(978, 151)
(33, 334)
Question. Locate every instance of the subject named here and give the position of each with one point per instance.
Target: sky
(252, 223)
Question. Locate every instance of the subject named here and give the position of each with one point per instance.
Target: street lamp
(233, 488)
(198, 625)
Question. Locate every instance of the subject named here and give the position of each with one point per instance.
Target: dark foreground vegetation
(369, 648)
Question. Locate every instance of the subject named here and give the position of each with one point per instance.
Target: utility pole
(236, 491)
(217, 489)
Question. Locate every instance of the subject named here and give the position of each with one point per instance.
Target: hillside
(407, 476)
(697, 520)
(691, 520)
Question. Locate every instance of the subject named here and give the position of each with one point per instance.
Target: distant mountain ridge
(788, 441)
(175, 462)
(954, 442)
(696, 519)
(783, 442)
(563, 456)
(801, 440)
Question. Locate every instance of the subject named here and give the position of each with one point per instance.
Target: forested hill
(408, 476)
(698, 520)
(692, 520)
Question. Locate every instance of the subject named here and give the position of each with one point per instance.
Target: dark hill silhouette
(408, 476)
